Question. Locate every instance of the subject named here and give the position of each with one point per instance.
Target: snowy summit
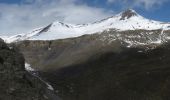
(127, 20)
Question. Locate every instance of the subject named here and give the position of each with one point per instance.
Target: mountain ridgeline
(124, 21)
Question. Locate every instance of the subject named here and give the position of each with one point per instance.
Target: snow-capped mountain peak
(126, 20)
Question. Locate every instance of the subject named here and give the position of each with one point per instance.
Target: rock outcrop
(15, 82)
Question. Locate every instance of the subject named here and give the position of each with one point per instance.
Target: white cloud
(147, 4)
(19, 18)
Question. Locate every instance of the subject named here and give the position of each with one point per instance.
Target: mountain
(124, 57)
(127, 20)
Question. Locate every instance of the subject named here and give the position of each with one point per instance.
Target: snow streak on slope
(139, 38)
(127, 20)
(35, 73)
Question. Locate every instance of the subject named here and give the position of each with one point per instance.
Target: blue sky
(158, 11)
(20, 16)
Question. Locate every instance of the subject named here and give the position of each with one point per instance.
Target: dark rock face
(15, 82)
(127, 14)
(45, 29)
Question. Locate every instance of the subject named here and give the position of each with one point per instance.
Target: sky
(22, 16)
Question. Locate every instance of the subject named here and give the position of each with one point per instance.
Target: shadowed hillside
(128, 75)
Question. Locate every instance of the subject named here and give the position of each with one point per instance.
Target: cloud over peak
(26, 15)
(30, 14)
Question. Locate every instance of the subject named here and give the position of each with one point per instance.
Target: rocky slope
(15, 82)
(87, 68)
(47, 55)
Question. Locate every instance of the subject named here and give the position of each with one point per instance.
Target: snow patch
(28, 67)
(49, 87)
